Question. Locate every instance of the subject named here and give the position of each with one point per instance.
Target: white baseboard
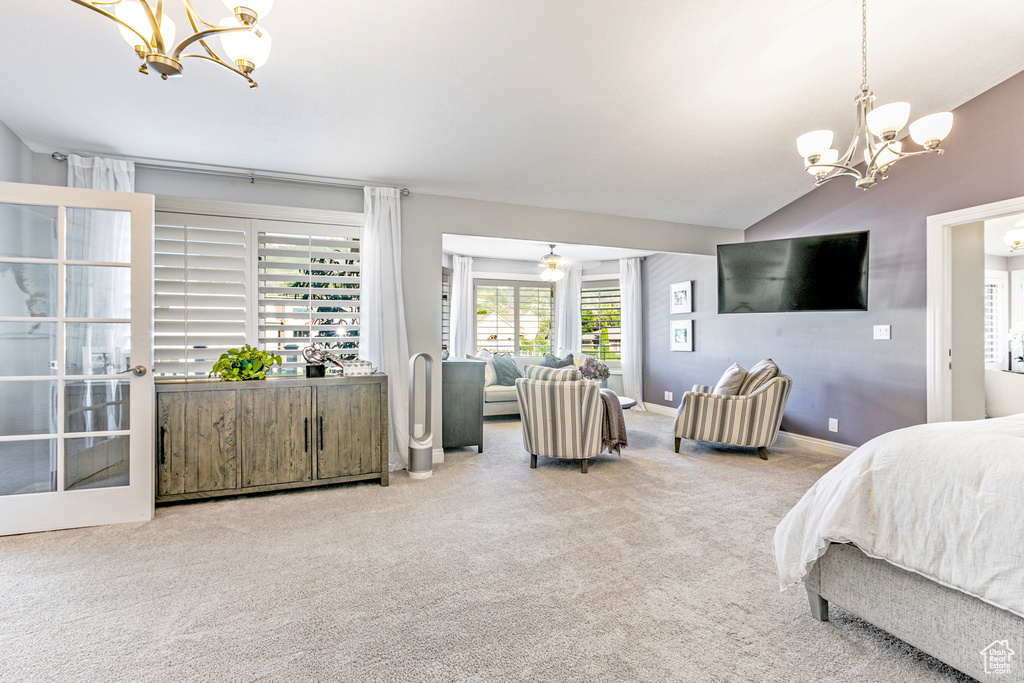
(437, 456)
(837, 450)
(657, 409)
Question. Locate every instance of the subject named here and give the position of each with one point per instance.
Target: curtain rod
(253, 177)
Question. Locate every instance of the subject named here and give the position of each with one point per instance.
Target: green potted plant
(244, 364)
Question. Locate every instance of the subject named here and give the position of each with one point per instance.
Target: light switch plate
(883, 332)
(668, 395)
(833, 424)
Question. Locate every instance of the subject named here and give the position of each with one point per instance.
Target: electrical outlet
(668, 395)
(833, 425)
(883, 332)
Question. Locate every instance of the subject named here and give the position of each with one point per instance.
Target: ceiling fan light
(814, 143)
(257, 8)
(251, 46)
(132, 13)
(551, 274)
(929, 131)
(886, 121)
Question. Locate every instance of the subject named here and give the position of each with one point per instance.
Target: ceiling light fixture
(146, 28)
(880, 126)
(1014, 239)
(550, 264)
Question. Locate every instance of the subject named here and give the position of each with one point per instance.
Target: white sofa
(501, 400)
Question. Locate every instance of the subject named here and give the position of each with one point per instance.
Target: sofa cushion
(498, 393)
(731, 381)
(540, 372)
(485, 356)
(759, 375)
(553, 361)
(506, 372)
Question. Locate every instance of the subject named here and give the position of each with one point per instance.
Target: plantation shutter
(600, 309)
(308, 290)
(446, 307)
(200, 291)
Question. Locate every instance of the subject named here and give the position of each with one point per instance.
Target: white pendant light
(880, 127)
(1014, 239)
(132, 13)
(550, 263)
(247, 49)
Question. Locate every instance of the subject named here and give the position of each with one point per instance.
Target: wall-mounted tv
(820, 273)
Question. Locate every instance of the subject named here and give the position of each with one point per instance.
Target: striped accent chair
(747, 419)
(561, 414)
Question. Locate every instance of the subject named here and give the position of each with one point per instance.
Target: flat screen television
(820, 273)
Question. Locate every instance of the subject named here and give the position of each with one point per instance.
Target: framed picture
(682, 335)
(682, 297)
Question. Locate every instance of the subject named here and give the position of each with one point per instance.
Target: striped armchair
(751, 418)
(561, 414)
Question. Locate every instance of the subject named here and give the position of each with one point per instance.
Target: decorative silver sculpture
(314, 354)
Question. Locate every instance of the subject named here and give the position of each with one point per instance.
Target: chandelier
(1014, 239)
(550, 263)
(150, 32)
(880, 127)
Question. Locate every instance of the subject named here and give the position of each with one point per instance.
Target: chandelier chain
(864, 45)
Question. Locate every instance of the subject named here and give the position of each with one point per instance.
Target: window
(513, 317)
(224, 276)
(602, 336)
(996, 320)
(446, 307)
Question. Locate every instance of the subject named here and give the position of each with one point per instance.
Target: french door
(76, 391)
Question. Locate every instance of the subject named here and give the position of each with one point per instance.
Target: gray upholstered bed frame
(949, 625)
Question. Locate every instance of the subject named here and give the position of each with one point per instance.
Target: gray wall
(838, 371)
(15, 158)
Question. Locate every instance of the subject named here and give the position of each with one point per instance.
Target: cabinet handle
(305, 432)
(321, 432)
(163, 445)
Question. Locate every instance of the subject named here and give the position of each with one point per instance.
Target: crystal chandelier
(150, 32)
(550, 264)
(880, 127)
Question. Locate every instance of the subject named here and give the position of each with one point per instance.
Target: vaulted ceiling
(669, 109)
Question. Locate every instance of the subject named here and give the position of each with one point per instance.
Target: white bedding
(944, 500)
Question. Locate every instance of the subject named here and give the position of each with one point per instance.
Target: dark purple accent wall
(838, 370)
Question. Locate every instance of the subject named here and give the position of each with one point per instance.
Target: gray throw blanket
(613, 426)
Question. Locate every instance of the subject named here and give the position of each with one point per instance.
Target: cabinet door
(170, 444)
(277, 437)
(348, 429)
(210, 441)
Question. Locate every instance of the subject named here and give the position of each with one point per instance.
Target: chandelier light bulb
(886, 121)
(245, 47)
(930, 130)
(815, 143)
(255, 8)
(889, 154)
(1014, 239)
(829, 156)
(131, 13)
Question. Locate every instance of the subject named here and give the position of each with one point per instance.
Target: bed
(921, 533)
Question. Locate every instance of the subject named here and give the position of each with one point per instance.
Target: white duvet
(944, 500)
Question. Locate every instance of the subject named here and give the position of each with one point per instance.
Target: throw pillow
(485, 356)
(730, 383)
(758, 376)
(506, 372)
(566, 374)
(552, 361)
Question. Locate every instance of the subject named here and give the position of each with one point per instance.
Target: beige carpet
(652, 567)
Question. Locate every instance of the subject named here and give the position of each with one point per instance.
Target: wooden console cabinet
(225, 438)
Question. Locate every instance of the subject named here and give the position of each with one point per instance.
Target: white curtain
(382, 336)
(568, 328)
(463, 307)
(632, 322)
(98, 292)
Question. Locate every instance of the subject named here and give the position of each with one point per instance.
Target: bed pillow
(506, 372)
(553, 361)
(485, 356)
(731, 381)
(759, 375)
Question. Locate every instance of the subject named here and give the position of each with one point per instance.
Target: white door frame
(938, 308)
(60, 509)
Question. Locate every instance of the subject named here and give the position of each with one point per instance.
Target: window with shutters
(231, 274)
(600, 309)
(996, 320)
(446, 307)
(513, 317)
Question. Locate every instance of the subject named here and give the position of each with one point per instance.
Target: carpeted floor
(652, 567)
